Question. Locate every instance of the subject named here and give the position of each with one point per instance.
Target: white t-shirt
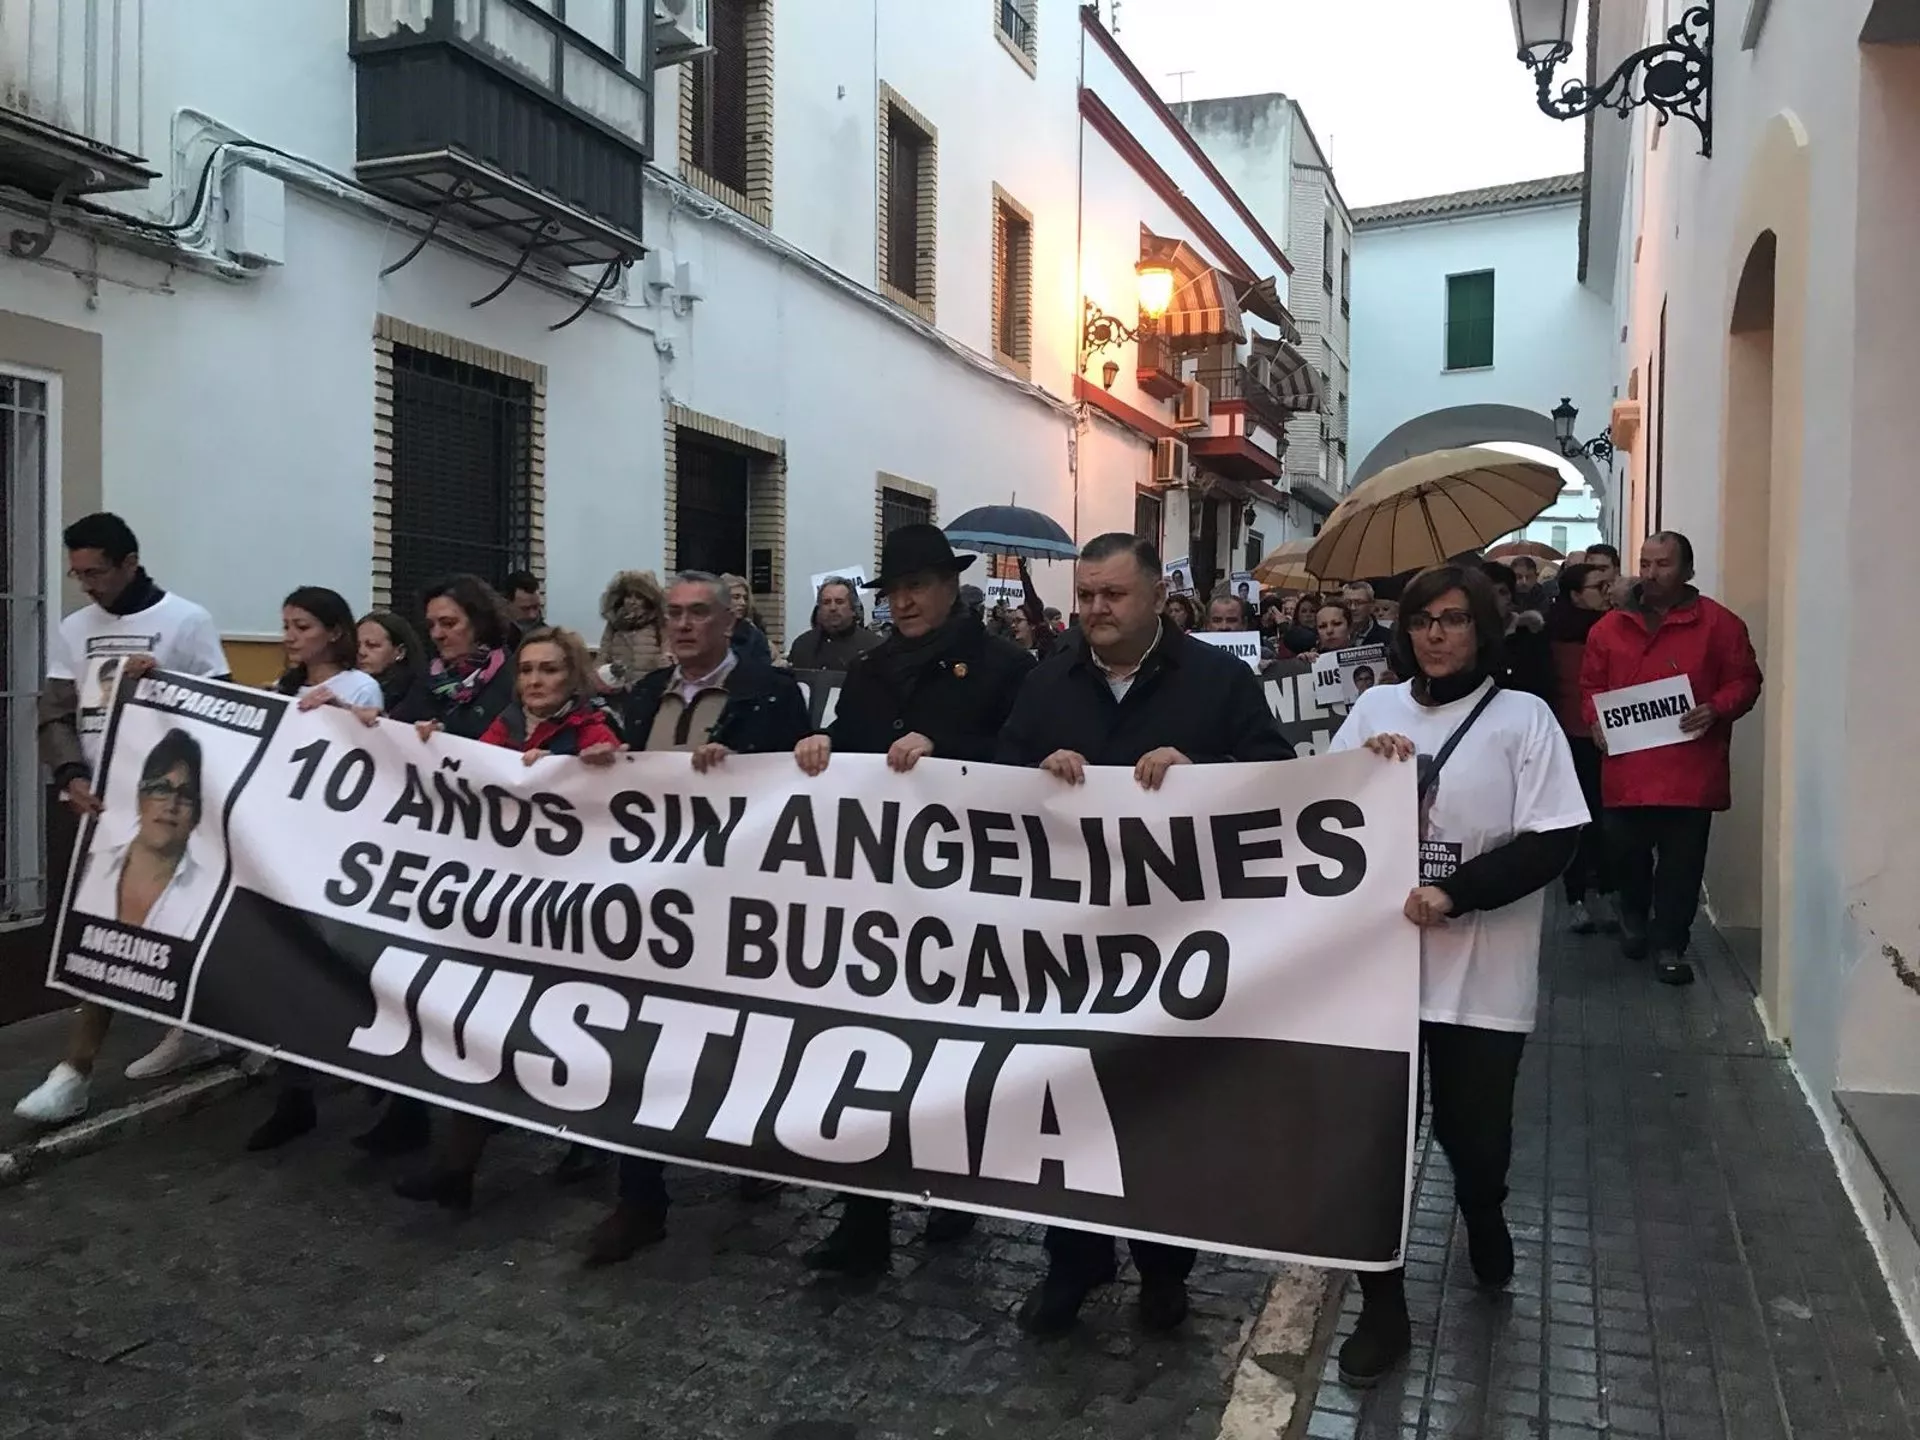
(354, 689)
(1511, 774)
(92, 643)
(180, 907)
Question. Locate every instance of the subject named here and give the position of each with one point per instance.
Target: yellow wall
(255, 662)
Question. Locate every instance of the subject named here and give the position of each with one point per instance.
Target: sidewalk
(121, 1107)
(1689, 1266)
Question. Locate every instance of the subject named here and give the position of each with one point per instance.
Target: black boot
(1054, 1304)
(293, 1116)
(1163, 1302)
(1633, 935)
(581, 1162)
(1384, 1334)
(627, 1228)
(1670, 969)
(861, 1244)
(946, 1226)
(1489, 1247)
(403, 1127)
(449, 1189)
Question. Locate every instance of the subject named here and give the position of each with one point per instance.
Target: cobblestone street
(1689, 1265)
(174, 1286)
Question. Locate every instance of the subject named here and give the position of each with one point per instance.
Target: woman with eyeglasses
(1501, 813)
(1586, 594)
(152, 880)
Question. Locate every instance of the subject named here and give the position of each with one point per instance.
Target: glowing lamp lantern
(1156, 289)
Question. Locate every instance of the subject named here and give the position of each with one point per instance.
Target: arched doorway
(1740, 866)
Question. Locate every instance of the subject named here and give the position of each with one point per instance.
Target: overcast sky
(1409, 97)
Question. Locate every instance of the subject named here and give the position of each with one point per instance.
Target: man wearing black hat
(1128, 690)
(938, 685)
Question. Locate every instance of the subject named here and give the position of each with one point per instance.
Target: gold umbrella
(1286, 568)
(1424, 510)
(1531, 549)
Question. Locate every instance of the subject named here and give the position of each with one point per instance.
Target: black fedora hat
(916, 550)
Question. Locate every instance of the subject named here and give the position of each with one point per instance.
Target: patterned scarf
(457, 682)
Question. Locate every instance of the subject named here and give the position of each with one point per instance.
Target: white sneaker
(63, 1095)
(178, 1051)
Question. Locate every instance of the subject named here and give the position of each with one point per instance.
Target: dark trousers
(1592, 870)
(1470, 1074)
(1088, 1257)
(643, 1183)
(1660, 855)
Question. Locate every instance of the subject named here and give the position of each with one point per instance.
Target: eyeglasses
(1451, 622)
(168, 790)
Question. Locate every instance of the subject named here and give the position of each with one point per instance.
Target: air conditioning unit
(679, 30)
(1194, 409)
(1169, 462)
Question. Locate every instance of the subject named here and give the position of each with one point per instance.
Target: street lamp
(1101, 331)
(1565, 415)
(1675, 77)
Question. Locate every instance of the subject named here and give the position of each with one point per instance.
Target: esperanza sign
(1189, 1015)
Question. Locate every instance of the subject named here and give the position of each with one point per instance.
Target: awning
(1262, 301)
(1206, 301)
(1289, 375)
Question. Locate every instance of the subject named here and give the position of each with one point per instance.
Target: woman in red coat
(556, 711)
(1660, 802)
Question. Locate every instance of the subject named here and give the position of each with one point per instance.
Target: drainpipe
(1079, 281)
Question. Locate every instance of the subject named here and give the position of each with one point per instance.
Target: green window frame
(1470, 321)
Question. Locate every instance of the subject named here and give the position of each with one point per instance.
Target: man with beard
(1129, 691)
(837, 635)
(939, 685)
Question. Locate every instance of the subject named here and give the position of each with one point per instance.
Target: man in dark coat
(712, 702)
(1128, 690)
(939, 685)
(1529, 652)
(836, 636)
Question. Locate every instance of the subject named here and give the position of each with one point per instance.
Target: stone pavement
(174, 1286)
(1689, 1265)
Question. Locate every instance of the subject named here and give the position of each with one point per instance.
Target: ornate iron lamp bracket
(1101, 331)
(1674, 77)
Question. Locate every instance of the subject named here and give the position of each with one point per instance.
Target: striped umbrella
(1424, 510)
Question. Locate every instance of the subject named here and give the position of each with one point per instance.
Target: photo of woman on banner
(156, 879)
(1501, 812)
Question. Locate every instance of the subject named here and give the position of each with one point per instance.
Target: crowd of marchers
(1496, 674)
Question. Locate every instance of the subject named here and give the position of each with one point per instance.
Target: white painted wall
(1850, 716)
(239, 429)
(1551, 334)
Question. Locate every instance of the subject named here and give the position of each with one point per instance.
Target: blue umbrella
(1011, 530)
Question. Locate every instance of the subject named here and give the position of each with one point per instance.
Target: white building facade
(1471, 324)
(270, 300)
(1268, 151)
(1767, 328)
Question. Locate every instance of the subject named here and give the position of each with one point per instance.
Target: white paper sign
(1244, 643)
(1242, 584)
(1179, 577)
(1010, 593)
(856, 573)
(1342, 677)
(1645, 717)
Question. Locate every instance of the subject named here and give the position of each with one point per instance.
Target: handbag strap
(1432, 777)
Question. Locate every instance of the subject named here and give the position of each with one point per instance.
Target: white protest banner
(1189, 1014)
(1344, 676)
(1179, 577)
(1244, 643)
(856, 573)
(1645, 717)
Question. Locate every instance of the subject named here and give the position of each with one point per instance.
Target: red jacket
(582, 727)
(1707, 642)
